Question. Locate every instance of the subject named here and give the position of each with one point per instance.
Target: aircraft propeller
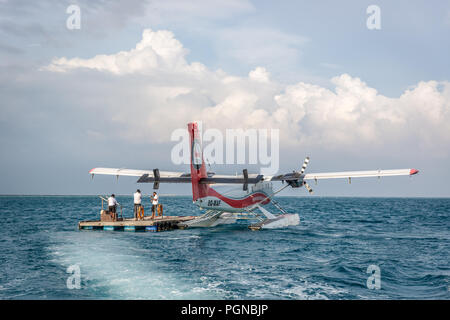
(295, 179)
(302, 171)
(310, 190)
(305, 164)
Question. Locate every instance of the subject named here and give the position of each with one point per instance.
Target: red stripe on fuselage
(252, 199)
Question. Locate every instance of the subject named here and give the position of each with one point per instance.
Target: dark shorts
(154, 207)
(136, 207)
(112, 209)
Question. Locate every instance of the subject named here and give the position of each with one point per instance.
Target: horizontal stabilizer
(146, 178)
(224, 179)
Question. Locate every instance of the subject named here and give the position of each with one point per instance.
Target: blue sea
(325, 257)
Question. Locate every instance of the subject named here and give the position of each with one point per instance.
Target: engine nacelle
(295, 183)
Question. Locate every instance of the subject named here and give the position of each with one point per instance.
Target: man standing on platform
(137, 203)
(112, 204)
(154, 204)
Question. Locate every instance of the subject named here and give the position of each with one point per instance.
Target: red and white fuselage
(238, 200)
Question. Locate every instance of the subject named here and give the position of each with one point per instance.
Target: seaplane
(246, 202)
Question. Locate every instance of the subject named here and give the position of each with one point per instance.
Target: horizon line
(189, 195)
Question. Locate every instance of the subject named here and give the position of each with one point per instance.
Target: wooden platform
(147, 224)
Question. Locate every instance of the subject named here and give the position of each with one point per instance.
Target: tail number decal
(214, 203)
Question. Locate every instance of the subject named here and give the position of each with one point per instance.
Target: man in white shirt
(137, 203)
(112, 204)
(154, 204)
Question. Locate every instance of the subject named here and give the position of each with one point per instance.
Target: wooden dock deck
(147, 224)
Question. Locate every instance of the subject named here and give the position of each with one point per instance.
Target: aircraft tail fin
(198, 167)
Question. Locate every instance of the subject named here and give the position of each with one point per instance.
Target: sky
(110, 93)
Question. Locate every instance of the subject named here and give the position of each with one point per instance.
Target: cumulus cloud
(354, 113)
(165, 91)
(259, 74)
(156, 51)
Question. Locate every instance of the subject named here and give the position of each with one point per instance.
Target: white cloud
(259, 74)
(164, 92)
(157, 50)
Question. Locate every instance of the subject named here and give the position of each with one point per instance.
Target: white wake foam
(114, 267)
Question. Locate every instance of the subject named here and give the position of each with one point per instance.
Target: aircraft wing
(360, 174)
(138, 173)
(177, 177)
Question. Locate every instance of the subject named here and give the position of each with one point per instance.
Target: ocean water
(325, 257)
